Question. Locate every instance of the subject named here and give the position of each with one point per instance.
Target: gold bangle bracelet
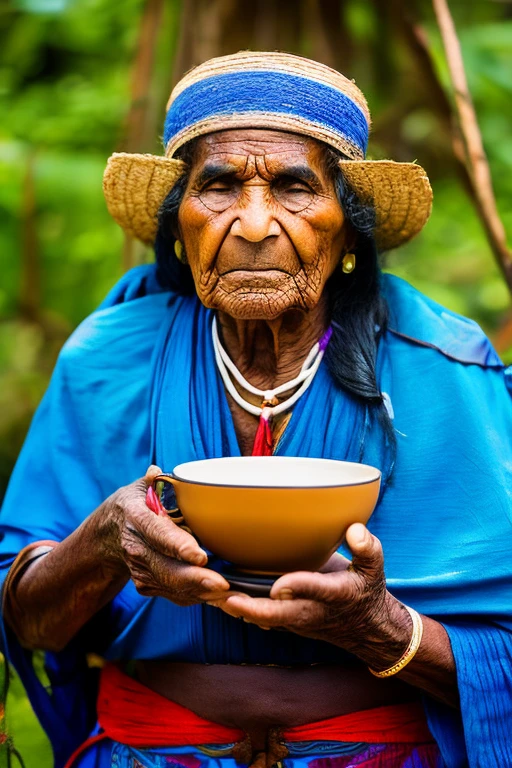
(412, 648)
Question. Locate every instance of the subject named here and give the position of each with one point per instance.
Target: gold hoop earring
(178, 250)
(348, 263)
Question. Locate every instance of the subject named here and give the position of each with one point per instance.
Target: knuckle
(376, 548)
(132, 554)
(143, 585)
(133, 547)
(302, 619)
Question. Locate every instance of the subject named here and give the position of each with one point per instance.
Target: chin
(256, 308)
(257, 305)
(258, 295)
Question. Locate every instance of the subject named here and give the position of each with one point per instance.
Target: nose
(255, 221)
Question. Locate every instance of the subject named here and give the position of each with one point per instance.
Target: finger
(266, 612)
(206, 583)
(163, 536)
(367, 555)
(320, 587)
(157, 575)
(220, 602)
(152, 471)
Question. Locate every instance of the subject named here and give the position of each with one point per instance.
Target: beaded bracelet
(412, 648)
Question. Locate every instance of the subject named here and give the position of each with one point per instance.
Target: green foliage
(23, 734)
(65, 78)
(27, 735)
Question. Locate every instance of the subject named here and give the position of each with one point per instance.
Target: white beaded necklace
(266, 411)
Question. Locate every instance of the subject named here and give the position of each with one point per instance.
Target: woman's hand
(162, 559)
(347, 604)
(58, 593)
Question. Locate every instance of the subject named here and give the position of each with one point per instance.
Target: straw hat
(278, 91)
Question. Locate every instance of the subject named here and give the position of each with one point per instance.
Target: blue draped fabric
(137, 383)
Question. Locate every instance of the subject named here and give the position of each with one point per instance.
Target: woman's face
(260, 222)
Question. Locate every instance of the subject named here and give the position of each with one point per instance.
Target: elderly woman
(267, 220)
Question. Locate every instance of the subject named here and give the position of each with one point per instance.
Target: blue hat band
(295, 98)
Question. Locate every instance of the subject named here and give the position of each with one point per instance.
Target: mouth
(255, 280)
(255, 271)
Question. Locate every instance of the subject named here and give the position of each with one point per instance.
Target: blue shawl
(137, 383)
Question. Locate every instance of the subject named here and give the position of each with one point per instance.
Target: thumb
(152, 472)
(367, 555)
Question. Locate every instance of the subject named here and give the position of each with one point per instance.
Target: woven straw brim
(135, 187)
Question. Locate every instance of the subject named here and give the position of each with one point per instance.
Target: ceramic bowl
(270, 514)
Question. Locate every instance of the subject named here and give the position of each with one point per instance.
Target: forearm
(59, 592)
(433, 667)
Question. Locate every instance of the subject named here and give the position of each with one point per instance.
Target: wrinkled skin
(260, 222)
(263, 231)
(161, 558)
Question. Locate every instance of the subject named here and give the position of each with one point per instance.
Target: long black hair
(358, 310)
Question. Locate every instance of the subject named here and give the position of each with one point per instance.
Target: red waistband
(132, 714)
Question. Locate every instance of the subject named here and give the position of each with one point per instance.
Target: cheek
(202, 232)
(320, 235)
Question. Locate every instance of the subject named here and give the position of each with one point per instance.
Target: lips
(255, 281)
(253, 269)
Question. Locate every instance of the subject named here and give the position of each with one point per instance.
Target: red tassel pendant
(263, 442)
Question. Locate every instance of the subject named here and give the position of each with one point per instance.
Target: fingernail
(362, 534)
(285, 594)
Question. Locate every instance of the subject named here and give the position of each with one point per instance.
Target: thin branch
(476, 160)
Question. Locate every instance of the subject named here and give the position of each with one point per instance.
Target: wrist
(386, 636)
(105, 525)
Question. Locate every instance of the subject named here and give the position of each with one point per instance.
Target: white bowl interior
(275, 472)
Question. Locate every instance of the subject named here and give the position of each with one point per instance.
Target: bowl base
(244, 581)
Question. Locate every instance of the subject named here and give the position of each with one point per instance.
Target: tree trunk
(220, 27)
(140, 127)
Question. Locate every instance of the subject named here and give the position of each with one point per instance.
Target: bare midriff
(256, 698)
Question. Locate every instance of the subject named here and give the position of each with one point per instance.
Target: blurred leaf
(65, 76)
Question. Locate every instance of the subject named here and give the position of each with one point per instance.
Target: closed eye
(292, 184)
(218, 194)
(293, 194)
(302, 188)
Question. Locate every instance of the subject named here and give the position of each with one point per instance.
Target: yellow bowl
(274, 514)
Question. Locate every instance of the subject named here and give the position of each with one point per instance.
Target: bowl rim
(377, 477)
